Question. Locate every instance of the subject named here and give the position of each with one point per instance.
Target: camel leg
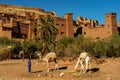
(89, 66)
(56, 65)
(77, 65)
(86, 66)
(87, 63)
(82, 66)
(48, 66)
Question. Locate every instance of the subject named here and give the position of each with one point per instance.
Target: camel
(83, 58)
(49, 57)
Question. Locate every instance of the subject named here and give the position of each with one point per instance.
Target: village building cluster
(19, 22)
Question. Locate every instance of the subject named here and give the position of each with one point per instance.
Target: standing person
(29, 65)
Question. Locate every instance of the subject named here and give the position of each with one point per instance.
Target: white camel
(49, 57)
(83, 58)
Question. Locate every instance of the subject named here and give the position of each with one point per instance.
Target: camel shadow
(93, 70)
(36, 71)
(60, 68)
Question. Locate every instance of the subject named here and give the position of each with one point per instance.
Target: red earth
(102, 69)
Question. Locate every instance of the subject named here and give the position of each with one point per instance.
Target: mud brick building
(18, 22)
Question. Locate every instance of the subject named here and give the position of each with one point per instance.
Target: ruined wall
(86, 22)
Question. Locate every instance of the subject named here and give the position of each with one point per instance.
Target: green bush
(109, 47)
(99, 49)
(67, 46)
(113, 43)
(4, 41)
(4, 54)
(17, 47)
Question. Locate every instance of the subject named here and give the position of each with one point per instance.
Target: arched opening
(119, 30)
(78, 31)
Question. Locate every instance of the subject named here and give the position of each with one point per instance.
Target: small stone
(109, 78)
(38, 75)
(51, 75)
(62, 74)
(36, 63)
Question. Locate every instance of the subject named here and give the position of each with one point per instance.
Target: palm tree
(47, 31)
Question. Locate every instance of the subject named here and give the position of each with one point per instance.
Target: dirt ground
(103, 69)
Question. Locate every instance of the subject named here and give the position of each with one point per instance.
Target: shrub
(113, 44)
(4, 54)
(99, 49)
(4, 41)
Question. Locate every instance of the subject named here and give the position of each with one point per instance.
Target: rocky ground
(102, 69)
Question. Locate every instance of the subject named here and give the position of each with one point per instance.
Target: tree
(47, 31)
(28, 48)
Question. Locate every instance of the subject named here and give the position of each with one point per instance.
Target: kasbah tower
(18, 22)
